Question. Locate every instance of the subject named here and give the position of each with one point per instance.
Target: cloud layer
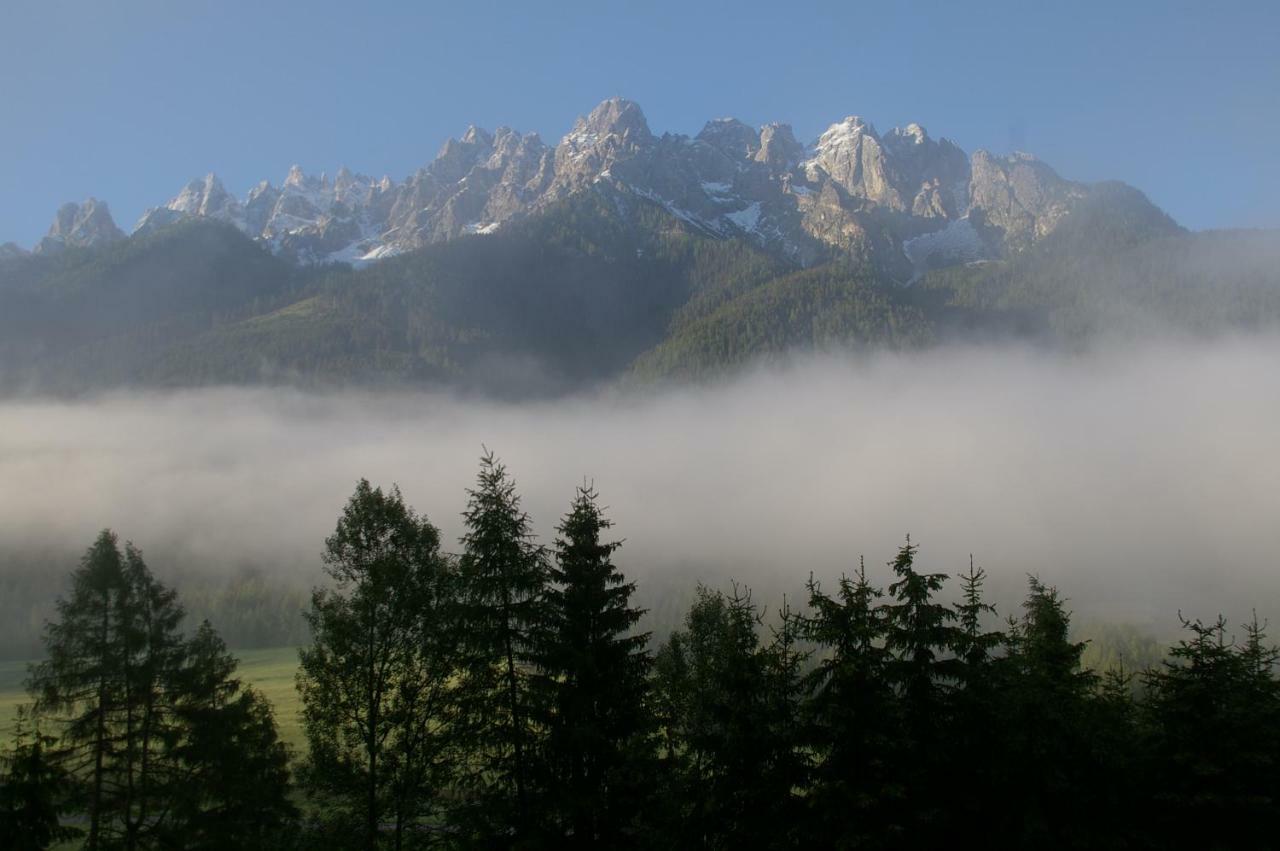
(1140, 479)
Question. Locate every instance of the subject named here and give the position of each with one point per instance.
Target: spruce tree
(35, 791)
(974, 733)
(112, 656)
(729, 770)
(376, 681)
(230, 770)
(592, 685)
(920, 637)
(855, 800)
(1046, 765)
(504, 576)
(120, 684)
(1216, 766)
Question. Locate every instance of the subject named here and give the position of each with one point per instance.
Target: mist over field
(1139, 478)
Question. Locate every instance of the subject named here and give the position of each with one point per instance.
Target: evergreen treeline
(503, 697)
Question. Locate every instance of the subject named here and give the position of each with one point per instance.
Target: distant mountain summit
(80, 226)
(904, 201)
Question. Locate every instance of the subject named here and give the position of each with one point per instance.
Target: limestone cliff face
(1018, 198)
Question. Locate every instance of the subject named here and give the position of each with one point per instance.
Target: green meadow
(269, 670)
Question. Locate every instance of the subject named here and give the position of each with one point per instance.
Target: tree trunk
(95, 806)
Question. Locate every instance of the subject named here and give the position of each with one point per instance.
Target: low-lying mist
(1141, 480)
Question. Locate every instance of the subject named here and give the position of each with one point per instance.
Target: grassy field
(270, 671)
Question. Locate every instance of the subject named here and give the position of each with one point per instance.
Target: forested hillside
(597, 287)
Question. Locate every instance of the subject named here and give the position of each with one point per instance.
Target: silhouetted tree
(230, 778)
(727, 770)
(856, 798)
(1045, 764)
(592, 686)
(1216, 765)
(376, 681)
(503, 574)
(35, 791)
(152, 725)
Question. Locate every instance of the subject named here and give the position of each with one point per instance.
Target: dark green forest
(588, 292)
(506, 697)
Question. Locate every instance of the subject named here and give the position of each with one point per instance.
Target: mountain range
(509, 263)
(902, 198)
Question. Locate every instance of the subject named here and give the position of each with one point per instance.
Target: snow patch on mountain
(958, 242)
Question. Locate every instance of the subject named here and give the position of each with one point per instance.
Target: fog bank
(1140, 480)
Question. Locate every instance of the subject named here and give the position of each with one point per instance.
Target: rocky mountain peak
(850, 154)
(10, 250)
(204, 197)
(778, 147)
(1020, 198)
(298, 179)
(477, 136)
(846, 131)
(731, 136)
(80, 225)
(616, 116)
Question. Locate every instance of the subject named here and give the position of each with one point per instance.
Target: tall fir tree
(504, 575)
(35, 791)
(1045, 762)
(728, 772)
(230, 772)
(120, 682)
(1215, 762)
(591, 687)
(376, 683)
(855, 799)
(112, 654)
(974, 733)
(921, 636)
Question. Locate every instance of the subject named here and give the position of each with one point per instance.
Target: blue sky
(128, 100)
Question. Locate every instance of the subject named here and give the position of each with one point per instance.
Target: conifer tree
(504, 576)
(112, 655)
(853, 728)
(122, 685)
(920, 636)
(1212, 710)
(974, 733)
(727, 784)
(35, 791)
(592, 685)
(376, 681)
(1046, 761)
(231, 776)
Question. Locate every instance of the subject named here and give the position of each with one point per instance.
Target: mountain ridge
(902, 200)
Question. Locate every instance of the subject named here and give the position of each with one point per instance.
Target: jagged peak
(616, 115)
(848, 129)
(778, 145)
(477, 136)
(84, 224)
(912, 134)
(731, 136)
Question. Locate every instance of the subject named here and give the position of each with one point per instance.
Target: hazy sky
(128, 100)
